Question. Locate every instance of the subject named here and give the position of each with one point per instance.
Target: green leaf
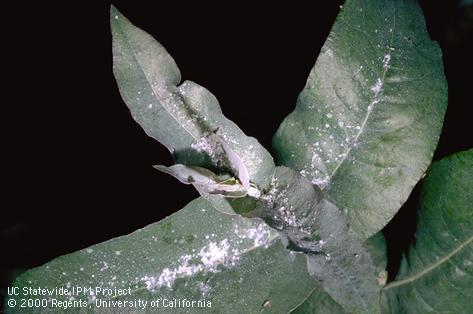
(368, 120)
(237, 264)
(182, 117)
(320, 302)
(436, 275)
(376, 245)
(310, 224)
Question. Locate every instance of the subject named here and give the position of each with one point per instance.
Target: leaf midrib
(416, 276)
(363, 125)
(149, 81)
(252, 248)
(271, 240)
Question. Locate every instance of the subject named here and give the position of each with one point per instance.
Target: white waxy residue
(323, 157)
(207, 260)
(322, 181)
(316, 164)
(260, 234)
(203, 145)
(377, 87)
(288, 216)
(204, 288)
(386, 60)
(216, 254)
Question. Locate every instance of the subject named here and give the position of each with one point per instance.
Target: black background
(77, 168)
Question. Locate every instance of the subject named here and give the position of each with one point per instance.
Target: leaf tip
(114, 14)
(159, 167)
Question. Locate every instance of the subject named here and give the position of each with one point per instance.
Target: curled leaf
(223, 156)
(183, 116)
(204, 180)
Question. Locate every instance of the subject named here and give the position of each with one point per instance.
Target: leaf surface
(321, 302)
(237, 264)
(182, 116)
(437, 273)
(368, 120)
(308, 223)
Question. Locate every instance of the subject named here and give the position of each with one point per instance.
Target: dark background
(77, 168)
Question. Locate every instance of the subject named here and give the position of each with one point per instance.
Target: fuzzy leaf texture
(368, 120)
(238, 264)
(436, 275)
(182, 116)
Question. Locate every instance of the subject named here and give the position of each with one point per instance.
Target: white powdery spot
(105, 266)
(207, 260)
(203, 145)
(288, 216)
(315, 160)
(204, 288)
(317, 168)
(260, 235)
(277, 200)
(271, 197)
(212, 145)
(321, 182)
(386, 60)
(91, 297)
(377, 87)
(215, 254)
